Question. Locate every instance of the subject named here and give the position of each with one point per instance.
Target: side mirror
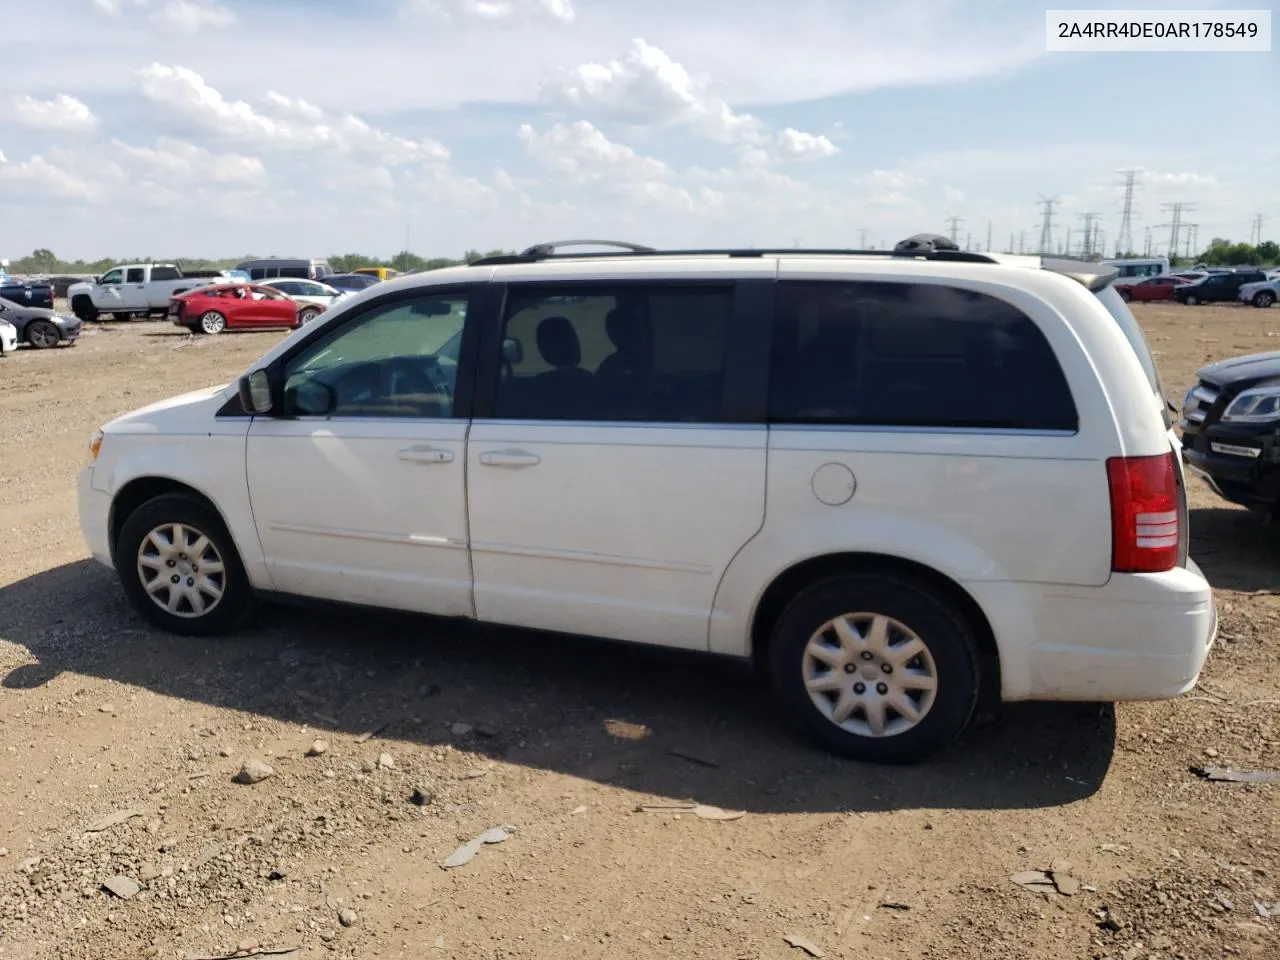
(255, 393)
(512, 350)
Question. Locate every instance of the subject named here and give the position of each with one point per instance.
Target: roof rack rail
(912, 248)
(541, 251)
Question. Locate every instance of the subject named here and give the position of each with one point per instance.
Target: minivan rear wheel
(180, 569)
(876, 667)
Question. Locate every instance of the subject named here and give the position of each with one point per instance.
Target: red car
(233, 306)
(1153, 288)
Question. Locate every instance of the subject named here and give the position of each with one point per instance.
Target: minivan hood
(187, 413)
(1242, 370)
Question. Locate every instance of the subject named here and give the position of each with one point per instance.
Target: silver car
(311, 296)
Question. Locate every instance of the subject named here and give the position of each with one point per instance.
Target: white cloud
(115, 8)
(191, 16)
(647, 86)
(286, 123)
(494, 10)
(797, 145)
(583, 155)
(61, 113)
(39, 178)
(178, 160)
(952, 194)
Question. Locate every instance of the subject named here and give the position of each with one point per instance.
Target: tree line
(1220, 252)
(46, 262)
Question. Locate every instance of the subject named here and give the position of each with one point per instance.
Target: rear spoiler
(1095, 277)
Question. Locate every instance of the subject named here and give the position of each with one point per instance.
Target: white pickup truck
(136, 288)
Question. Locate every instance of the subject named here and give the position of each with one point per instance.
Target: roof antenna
(924, 243)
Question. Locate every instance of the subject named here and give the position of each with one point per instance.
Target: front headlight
(95, 444)
(1259, 405)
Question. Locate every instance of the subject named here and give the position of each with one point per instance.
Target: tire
(1126, 296)
(1264, 299)
(307, 315)
(83, 308)
(1191, 301)
(907, 610)
(121, 316)
(42, 334)
(212, 322)
(142, 558)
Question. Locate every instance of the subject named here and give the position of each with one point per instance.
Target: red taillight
(1144, 513)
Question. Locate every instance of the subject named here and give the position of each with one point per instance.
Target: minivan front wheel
(180, 569)
(874, 667)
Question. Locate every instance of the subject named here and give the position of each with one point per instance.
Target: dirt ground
(560, 740)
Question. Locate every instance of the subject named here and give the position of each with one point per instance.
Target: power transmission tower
(1022, 241)
(988, 235)
(1255, 230)
(1124, 240)
(862, 239)
(1086, 248)
(1175, 224)
(1146, 246)
(1067, 244)
(1046, 225)
(955, 227)
(1012, 246)
(968, 241)
(1191, 239)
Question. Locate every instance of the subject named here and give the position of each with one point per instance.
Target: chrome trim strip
(586, 556)
(404, 539)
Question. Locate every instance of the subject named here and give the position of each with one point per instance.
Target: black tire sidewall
(934, 620)
(237, 598)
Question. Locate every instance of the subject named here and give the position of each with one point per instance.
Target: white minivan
(893, 479)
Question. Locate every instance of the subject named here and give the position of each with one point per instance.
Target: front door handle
(425, 454)
(509, 458)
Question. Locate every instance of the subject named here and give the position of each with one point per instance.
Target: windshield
(1119, 310)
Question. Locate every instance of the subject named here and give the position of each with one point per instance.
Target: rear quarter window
(912, 355)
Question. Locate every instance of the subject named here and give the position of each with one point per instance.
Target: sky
(220, 128)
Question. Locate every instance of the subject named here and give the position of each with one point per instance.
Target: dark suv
(1217, 287)
(1231, 429)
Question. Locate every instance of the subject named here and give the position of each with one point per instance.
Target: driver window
(393, 361)
(113, 276)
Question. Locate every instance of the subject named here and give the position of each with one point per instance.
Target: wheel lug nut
(882, 688)
(850, 668)
(859, 688)
(175, 578)
(191, 582)
(169, 563)
(866, 654)
(886, 667)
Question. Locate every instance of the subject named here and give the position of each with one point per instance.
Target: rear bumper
(1137, 637)
(95, 513)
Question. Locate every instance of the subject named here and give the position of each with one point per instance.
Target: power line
(1046, 225)
(1124, 240)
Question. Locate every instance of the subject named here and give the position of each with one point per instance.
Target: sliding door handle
(509, 458)
(425, 454)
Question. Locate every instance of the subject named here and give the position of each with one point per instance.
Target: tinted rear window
(923, 355)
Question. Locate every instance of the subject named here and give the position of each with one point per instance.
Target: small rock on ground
(253, 770)
(386, 761)
(347, 917)
(317, 747)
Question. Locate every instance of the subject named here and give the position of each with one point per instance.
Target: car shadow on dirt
(613, 714)
(1236, 548)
